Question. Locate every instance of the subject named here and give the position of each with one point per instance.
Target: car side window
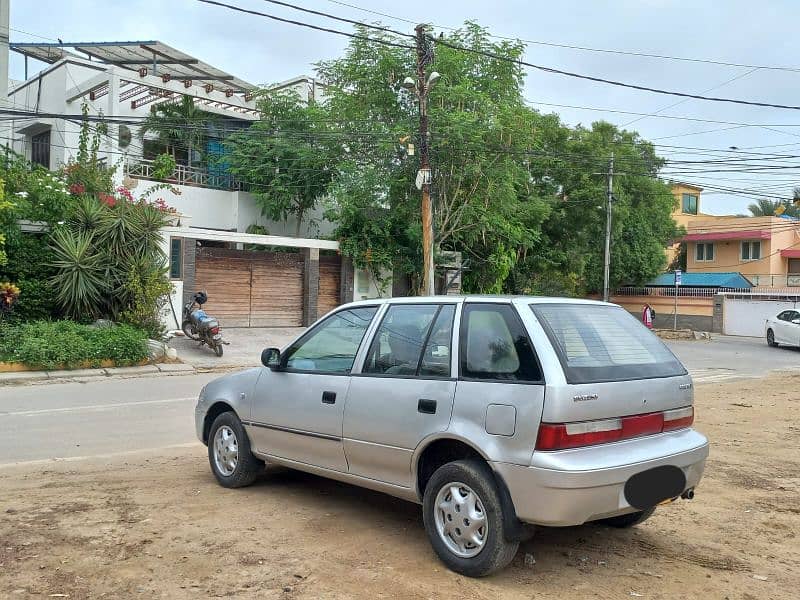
(495, 346)
(435, 360)
(397, 346)
(783, 316)
(332, 345)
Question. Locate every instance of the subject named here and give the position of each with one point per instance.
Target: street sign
(678, 274)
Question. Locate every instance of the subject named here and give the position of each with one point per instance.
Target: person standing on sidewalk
(648, 316)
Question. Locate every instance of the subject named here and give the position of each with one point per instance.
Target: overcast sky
(735, 31)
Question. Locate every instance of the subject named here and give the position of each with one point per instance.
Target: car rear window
(598, 343)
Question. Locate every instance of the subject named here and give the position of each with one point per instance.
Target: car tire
(771, 339)
(451, 491)
(629, 520)
(232, 462)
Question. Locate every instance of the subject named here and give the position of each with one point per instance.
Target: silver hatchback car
(493, 413)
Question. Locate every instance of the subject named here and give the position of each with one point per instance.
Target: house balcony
(186, 175)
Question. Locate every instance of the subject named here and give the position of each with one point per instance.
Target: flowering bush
(8, 295)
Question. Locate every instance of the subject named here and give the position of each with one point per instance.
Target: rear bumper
(570, 487)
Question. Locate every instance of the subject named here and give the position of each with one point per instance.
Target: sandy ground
(158, 526)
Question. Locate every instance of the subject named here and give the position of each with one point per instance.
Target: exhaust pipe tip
(688, 494)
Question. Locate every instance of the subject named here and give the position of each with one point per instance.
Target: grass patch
(66, 344)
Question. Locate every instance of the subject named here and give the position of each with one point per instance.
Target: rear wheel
(463, 518)
(229, 453)
(218, 349)
(629, 520)
(771, 338)
(188, 331)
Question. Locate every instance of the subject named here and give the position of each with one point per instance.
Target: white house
(121, 82)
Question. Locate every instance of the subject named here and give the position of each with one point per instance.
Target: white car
(784, 329)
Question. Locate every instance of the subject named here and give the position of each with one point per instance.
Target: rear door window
(495, 346)
(597, 343)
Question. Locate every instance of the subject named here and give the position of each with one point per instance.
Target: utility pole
(607, 257)
(424, 57)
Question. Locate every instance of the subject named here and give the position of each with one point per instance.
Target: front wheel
(771, 339)
(229, 453)
(218, 349)
(463, 518)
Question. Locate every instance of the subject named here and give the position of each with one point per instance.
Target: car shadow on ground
(584, 547)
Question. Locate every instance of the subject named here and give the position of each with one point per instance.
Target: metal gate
(252, 288)
(747, 316)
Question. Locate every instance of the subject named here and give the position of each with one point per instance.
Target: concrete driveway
(244, 349)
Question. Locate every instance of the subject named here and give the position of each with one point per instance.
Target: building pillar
(310, 285)
(718, 318)
(189, 261)
(346, 283)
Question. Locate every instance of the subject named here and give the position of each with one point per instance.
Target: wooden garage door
(330, 280)
(251, 289)
(277, 290)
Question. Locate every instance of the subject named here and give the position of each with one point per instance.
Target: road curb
(165, 369)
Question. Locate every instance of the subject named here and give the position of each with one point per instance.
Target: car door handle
(329, 397)
(426, 406)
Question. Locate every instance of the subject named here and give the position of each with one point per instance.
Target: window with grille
(40, 149)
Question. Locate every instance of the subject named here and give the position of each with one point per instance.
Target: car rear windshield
(598, 343)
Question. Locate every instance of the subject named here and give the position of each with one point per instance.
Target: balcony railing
(185, 175)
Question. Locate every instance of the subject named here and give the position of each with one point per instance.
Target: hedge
(66, 344)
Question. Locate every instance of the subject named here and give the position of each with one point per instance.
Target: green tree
(486, 205)
(766, 208)
(285, 157)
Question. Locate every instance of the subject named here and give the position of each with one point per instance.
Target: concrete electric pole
(607, 257)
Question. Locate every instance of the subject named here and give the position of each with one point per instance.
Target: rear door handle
(329, 397)
(426, 406)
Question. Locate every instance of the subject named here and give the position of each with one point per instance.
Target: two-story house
(122, 82)
(766, 250)
(686, 211)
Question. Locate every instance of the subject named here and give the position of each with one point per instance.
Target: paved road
(110, 416)
(107, 416)
(728, 357)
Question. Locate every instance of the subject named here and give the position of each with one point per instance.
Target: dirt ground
(156, 526)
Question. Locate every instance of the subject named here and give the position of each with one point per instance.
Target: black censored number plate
(649, 488)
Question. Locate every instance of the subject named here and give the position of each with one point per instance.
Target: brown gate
(251, 289)
(330, 281)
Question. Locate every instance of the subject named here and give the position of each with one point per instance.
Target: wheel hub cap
(461, 519)
(226, 450)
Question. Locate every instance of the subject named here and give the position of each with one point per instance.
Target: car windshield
(597, 342)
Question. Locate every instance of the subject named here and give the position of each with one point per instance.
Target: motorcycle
(198, 326)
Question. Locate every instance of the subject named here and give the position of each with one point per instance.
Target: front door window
(331, 346)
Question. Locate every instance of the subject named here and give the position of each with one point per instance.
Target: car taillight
(559, 436)
(214, 330)
(678, 418)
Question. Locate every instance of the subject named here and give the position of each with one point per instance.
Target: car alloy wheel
(461, 519)
(226, 451)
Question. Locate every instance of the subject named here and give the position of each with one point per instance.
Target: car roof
(478, 298)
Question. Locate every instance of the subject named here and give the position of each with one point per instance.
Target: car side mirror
(271, 358)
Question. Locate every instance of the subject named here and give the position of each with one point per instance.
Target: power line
(303, 24)
(495, 56)
(587, 48)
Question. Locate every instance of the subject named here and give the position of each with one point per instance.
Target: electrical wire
(585, 48)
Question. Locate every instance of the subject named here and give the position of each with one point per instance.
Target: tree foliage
(517, 192)
(767, 208)
(285, 158)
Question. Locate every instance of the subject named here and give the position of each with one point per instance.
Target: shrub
(54, 344)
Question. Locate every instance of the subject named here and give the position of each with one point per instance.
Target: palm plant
(178, 126)
(79, 283)
(766, 208)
